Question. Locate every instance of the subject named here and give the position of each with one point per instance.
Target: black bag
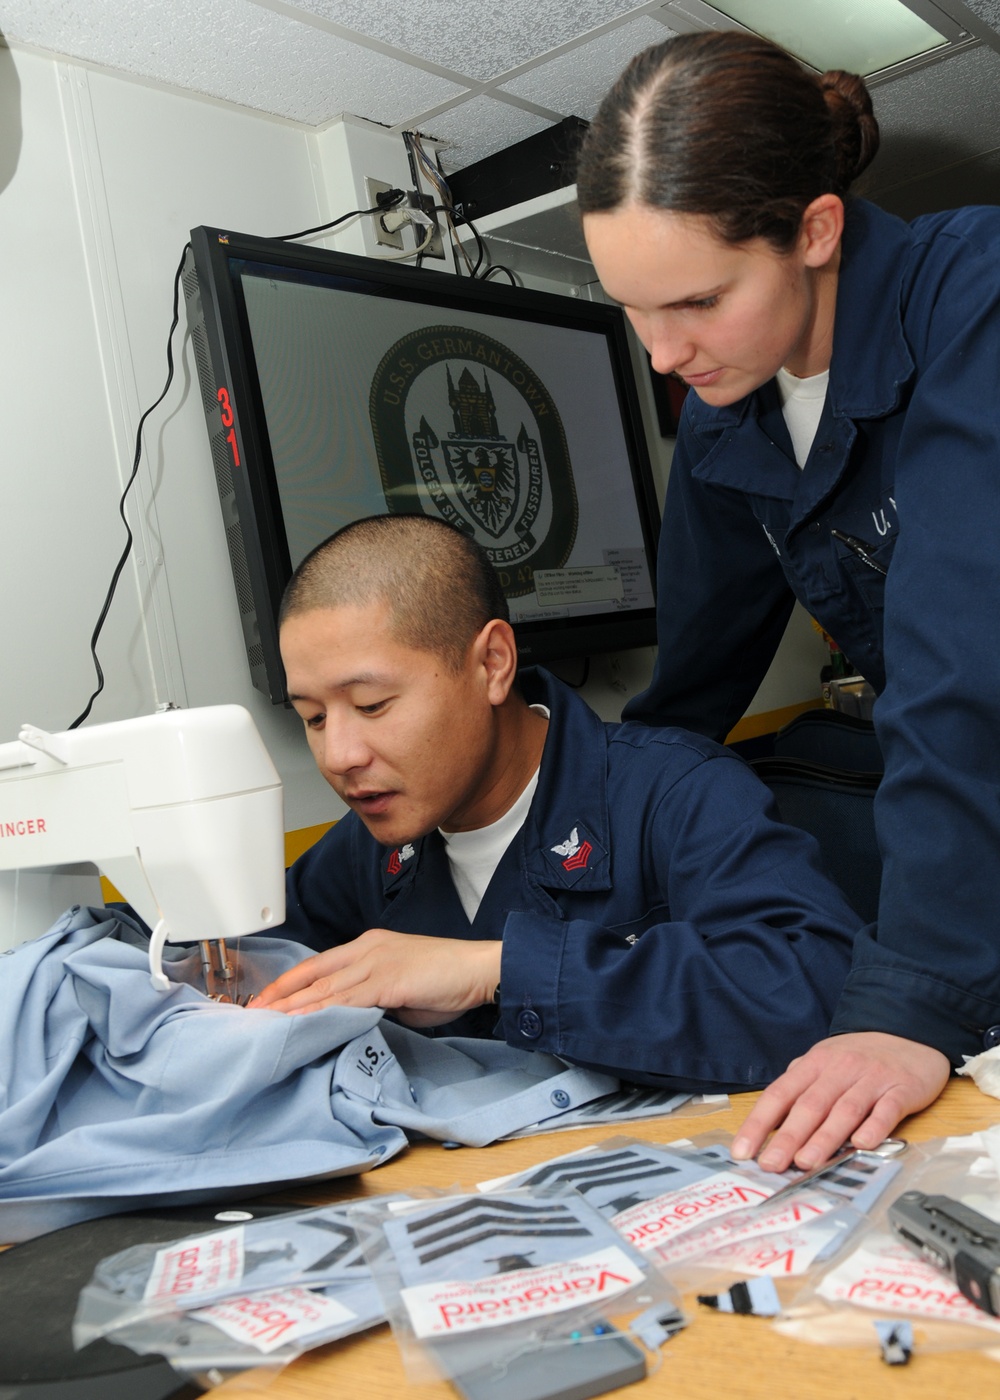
(824, 774)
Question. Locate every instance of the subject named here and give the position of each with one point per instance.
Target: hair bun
(855, 128)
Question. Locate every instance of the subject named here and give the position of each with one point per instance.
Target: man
(614, 894)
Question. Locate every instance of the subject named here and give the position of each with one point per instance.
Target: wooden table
(717, 1357)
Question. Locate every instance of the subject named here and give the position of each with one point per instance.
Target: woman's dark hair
(729, 126)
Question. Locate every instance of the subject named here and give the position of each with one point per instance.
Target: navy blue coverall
(906, 462)
(679, 936)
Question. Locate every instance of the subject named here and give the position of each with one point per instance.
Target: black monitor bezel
(236, 422)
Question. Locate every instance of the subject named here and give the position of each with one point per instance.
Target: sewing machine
(180, 810)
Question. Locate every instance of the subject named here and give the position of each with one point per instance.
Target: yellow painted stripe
(769, 721)
(298, 841)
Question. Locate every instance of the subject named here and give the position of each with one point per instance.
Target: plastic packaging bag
(634, 1183)
(264, 1291)
(703, 1218)
(797, 1234)
(881, 1277)
(255, 1330)
(467, 1280)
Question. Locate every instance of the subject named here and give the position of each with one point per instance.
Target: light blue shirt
(116, 1097)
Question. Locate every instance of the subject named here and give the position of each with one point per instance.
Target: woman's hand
(852, 1087)
(427, 981)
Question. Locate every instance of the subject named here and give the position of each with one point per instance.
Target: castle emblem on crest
(499, 470)
(485, 471)
(482, 466)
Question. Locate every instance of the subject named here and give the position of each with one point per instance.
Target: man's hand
(428, 981)
(853, 1087)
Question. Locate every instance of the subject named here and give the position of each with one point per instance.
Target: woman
(841, 446)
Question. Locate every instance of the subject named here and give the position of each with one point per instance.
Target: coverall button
(529, 1023)
(560, 1098)
(991, 1037)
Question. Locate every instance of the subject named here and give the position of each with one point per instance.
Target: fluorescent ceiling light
(861, 36)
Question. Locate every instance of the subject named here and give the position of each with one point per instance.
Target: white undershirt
(473, 856)
(802, 403)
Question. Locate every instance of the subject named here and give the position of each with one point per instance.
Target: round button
(529, 1023)
(814, 527)
(991, 1037)
(560, 1098)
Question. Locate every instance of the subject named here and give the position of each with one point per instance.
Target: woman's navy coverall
(906, 461)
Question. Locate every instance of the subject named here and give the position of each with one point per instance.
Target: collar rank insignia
(575, 853)
(395, 862)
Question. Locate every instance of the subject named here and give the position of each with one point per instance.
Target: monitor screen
(338, 387)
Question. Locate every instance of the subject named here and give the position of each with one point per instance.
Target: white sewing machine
(181, 811)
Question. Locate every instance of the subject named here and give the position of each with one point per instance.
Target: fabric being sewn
(115, 1096)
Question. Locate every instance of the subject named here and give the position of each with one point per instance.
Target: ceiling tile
(575, 82)
(478, 128)
(987, 10)
(935, 119)
(481, 38)
(234, 50)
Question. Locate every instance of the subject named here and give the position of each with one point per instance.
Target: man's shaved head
(438, 584)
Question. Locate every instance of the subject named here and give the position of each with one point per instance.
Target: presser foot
(221, 973)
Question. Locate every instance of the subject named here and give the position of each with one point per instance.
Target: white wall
(109, 179)
(101, 180)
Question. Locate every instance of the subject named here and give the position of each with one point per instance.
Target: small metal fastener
(888, 1148)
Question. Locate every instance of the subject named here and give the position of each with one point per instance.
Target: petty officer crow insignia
(576, 852)
(395, 862)
(466, 430)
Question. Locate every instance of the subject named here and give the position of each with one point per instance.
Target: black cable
(491, 267)
(386, 201)
(128, 486)
(499, 267)
(480, 247)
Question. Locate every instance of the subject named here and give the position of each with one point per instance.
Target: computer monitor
(337, 387)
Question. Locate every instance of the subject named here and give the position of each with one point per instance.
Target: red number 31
(228, 422)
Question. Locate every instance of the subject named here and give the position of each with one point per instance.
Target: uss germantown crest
(466, 430)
